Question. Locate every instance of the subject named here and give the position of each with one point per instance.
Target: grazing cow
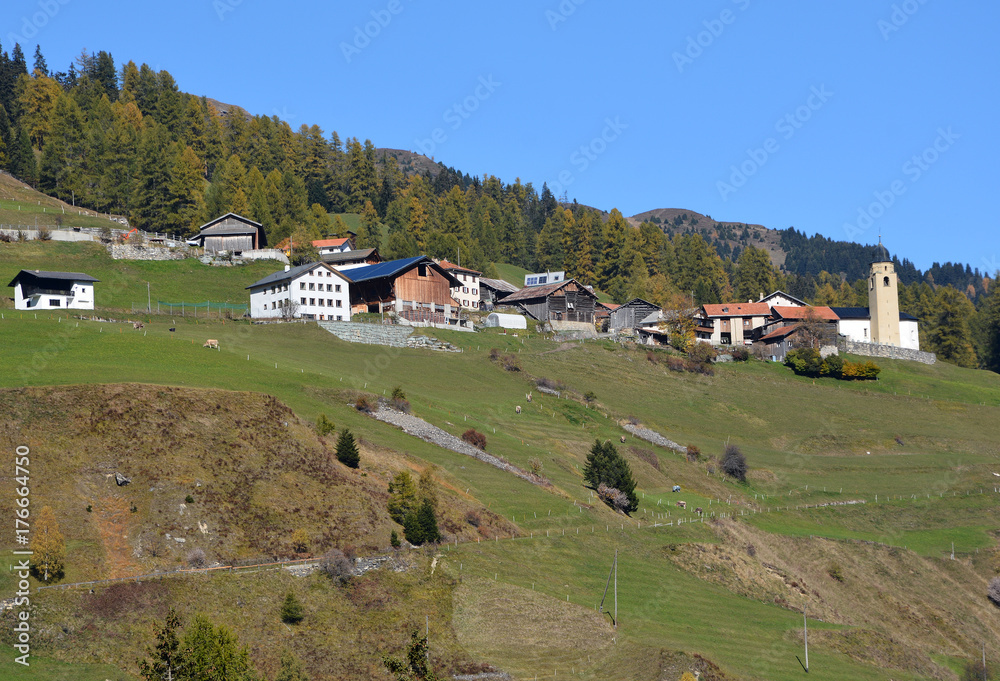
(211, 343)
(698, 510)
(623, 439)
(682, 504)
(677, 488)
(172, 329)
(138, 325)
(517, 409)
(528, 396)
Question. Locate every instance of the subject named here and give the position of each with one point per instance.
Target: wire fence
(184, 309)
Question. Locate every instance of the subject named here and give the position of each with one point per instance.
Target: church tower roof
(881, 252)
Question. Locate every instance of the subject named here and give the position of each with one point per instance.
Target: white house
(313, 291)
(856, 324)
(467, 294)
(35, 289)
(327, 246)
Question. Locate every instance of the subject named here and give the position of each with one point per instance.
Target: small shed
(231, 233)
(506, 321)
(568, 301)
(628, 315)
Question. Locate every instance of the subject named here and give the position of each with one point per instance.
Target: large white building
(856, 324)
(313, 291)
(36, 289)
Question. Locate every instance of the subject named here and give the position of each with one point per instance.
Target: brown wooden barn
(231, 233)
(565, 301)
(417, 289)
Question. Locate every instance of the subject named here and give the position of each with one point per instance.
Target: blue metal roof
(393, 267)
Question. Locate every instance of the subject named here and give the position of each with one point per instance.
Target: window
(746, 323)
(302, 286)
(312, 286)
(329, 287)
(340, 318)
(312, 301)
(53, 302)
(274, 306)
(864, 333)
(321, 302)
(422, 270)
(336, 287)
(340, 303)
(475, 292)
(329, 274)
(885, 281)
(465, 289)
(303, 300)
(475, 303)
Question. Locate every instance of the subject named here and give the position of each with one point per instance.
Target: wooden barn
(492, 291)
(628, 315)
(565, 301)
(231, 233)
(417, 288)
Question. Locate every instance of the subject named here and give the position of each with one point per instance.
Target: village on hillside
(345, 282)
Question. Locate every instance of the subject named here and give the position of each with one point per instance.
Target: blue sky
(847, 119)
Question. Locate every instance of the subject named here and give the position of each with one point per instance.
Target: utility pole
(616, 589)
(149, 300)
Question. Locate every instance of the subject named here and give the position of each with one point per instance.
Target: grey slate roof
(497, 284)
(359, 254)
(863, 313)
(282, 275)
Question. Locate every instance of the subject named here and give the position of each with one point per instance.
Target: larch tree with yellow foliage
(49, 547)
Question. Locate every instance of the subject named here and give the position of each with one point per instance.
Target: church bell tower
(883, 299)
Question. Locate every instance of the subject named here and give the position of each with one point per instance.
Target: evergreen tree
(49, 558)
(428, 522)
(614, 264)
(413, 529)
(347, 449)
(22, 158)
(550, 250)
(950, 336)
(214, 653)
(606, 465)
(165, 660)
(40, 67)
(150, 204)
(369, 235)
(187, 192)
(415, 666)
(291, 609)
(754, 274)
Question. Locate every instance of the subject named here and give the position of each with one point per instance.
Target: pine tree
(369, 235)
(347, 450)
(550, 249)
(413, 529)
(754, 274)
(49, 558)
(291, 609)
(40, 67)
(428, 522)
(186, 192)
(214, 653)
(605, 465)
(950, 336)
(166, 659)
(415, 667)
(150, 201)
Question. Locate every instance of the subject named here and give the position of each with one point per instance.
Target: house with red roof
(467, 293)
(325, 246)
(730, 323)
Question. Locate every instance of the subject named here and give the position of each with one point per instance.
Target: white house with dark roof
(42, 290)
(312, 291)
(467, 294)
(856, 324)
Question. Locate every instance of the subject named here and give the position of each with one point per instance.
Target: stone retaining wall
(887, 351)
(371, 334)
(129, 252)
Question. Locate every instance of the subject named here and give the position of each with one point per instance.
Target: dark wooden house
(416, 288)
(231, 233)
(492, 291)
(347, 259)
(628, 315)
(565, 301)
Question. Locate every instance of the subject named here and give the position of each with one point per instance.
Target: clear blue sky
(819, 107)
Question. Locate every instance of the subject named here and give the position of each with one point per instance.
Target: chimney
(288, 267)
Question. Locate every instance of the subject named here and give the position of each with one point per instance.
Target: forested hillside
(123, 139)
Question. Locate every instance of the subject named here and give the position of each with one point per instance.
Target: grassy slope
(21, 205)
(800, 438)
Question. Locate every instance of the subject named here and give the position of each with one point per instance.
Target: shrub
(398, 400)
(196, 558)
(804, 361)
(475, 438)
(189, 499)
(614, 498)
(836, 572)
(473, 518)
(974, 671)
(398, 394)
(291, 610)
(535, 465)
(22, 235)
(5, 237)
(44, 234)
(347, 450)
(751, 550)
(550, 384)
(702, 353)
(590, 396)
(511, 363)
(652, 357)
(867, 371)
(675, 364)
(693, 453)
(324, 426)
(366, 404)
(993, 591)
(495, 354)
(734, 464)
(394, 540)
(740, 354)
(336, 565)
(605, 465)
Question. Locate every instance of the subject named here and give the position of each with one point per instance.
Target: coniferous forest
(124, 140)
